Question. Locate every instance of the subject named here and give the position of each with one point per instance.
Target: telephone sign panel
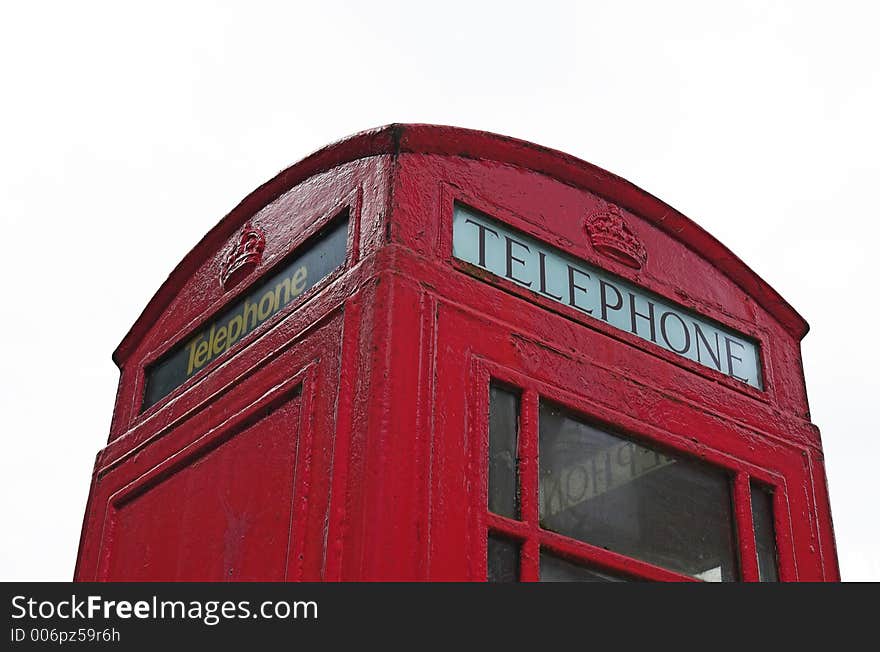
(261, 303)
(544, 269)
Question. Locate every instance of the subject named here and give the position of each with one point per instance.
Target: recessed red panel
(223, 513)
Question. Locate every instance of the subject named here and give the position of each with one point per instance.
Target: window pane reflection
(502, 560)
(556, 569)
(622, 496)
(503, 423)
(765, 536)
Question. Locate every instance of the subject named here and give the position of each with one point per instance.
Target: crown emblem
(243, 256)
(612, 237)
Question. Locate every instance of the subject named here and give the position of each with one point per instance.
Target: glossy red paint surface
(345, 438)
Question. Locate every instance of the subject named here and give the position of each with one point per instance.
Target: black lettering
(543, 269)
(572, 286)
(483, 230)
(716, 357)
(511, 258)
(684, 329)
(603, 299)
(731, 357)
(635, 313)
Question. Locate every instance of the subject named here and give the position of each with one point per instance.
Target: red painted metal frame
(385, 367)
(527, 528)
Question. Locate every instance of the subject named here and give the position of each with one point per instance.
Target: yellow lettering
(267, 305)
(201, 354)
(219, 341)
(233, 338)
(192, 348)
(298, 282)
(211, 342)
(283, 285)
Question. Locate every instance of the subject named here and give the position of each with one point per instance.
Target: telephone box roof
(394, 139)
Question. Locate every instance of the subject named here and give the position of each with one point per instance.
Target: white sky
(127, 130)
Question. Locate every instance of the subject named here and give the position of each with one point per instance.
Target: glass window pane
(556, 569)
(503, 425)
(765, 535)
(625, 497)
(502, 560)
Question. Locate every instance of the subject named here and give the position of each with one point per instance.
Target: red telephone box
(427, 353)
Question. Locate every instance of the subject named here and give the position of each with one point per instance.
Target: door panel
(476, 352)
(236, 487)
(222, 512)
